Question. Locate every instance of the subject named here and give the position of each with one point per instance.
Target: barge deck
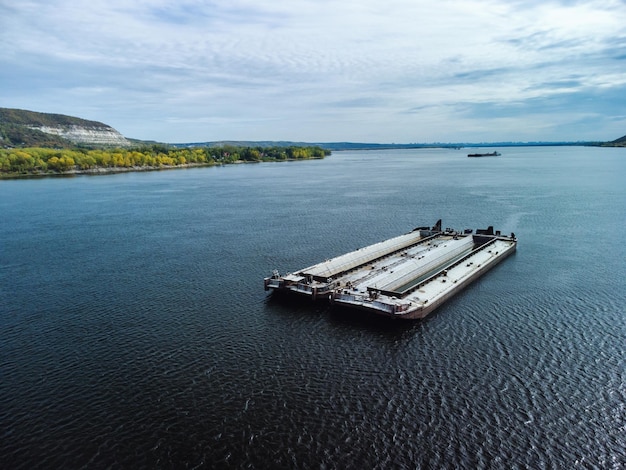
(404, 277)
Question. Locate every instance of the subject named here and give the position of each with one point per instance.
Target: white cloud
(314, 70)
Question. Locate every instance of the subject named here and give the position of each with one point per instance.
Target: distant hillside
(324, 145)
(21, 128)
(621, 142)
(337, 146)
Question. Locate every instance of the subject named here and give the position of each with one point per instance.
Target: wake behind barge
(404, 277)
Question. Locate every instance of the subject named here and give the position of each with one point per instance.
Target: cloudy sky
(388, 71)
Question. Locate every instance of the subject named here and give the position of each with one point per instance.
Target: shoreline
(115, 169)
(101, 171)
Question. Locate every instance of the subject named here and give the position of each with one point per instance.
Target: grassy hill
(32, 118)
(22, 128)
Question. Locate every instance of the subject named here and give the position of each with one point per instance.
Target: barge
(404, 277)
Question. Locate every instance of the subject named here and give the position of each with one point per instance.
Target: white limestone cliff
(92, 135)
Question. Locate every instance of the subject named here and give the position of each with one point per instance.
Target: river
(135, 331)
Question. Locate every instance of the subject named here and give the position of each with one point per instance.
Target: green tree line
(26, 161)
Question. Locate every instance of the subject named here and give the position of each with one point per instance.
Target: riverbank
(113, 170)
(41, 162)
(104, 170)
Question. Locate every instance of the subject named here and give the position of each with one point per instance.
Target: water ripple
(136, 333)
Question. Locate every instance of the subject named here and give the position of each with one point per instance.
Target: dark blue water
(135, 332)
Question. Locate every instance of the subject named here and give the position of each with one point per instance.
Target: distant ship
(492, 154)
